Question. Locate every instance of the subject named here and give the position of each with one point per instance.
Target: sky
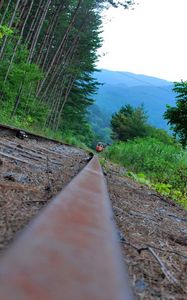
(150, 40)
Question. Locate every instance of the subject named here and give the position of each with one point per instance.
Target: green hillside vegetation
(161, 165)
(150, 155)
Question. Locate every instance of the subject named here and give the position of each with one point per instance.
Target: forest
(48, 53)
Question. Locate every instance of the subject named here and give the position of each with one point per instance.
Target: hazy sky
(151, 39)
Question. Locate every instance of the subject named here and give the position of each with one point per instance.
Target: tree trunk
(23, 14)
(61, 67)
(56, 110)
(10, 25)
(33, 45)
(33, 26)
(70, 85)
(17, 101)
(5, 12)
(60, 47)
(1, 3)
(49, 36)
(50, 99)
(18, 42)
(54, 106)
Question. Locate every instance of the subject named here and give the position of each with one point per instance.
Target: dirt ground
(31, 173)
(152, 229)
(153, 236)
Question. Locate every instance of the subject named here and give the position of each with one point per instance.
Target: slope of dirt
(153, 235)
(31, 173)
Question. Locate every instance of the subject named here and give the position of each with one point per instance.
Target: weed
(154, 163)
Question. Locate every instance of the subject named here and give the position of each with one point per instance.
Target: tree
(129, 123)
(177, 116)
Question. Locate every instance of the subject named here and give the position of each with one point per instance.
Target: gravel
(26, 187)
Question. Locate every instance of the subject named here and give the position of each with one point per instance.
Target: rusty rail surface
(70, 250)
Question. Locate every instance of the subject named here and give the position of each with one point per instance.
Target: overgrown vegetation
(156, 163)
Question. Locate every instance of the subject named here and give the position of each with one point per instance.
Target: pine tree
(177, 116)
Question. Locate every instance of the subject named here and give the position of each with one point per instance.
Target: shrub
(149, 159)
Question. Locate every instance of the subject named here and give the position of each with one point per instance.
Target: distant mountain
(129, 79)
(120, 88)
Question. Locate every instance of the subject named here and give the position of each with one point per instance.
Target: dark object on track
(89, 157)
(21, 135)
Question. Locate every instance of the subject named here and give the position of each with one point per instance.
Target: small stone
(16, 177)
(121, 236)
(177, 219)
(19, 146)
(48, 188)
(184, 230)
(140, 285)
(9, 177)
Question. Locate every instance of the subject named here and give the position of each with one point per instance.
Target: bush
(160, 162)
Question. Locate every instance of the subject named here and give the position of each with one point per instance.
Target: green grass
(162, 165)
(65, 137)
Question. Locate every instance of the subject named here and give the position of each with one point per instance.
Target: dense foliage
(154, 161)
(129, 123)
(177, 116)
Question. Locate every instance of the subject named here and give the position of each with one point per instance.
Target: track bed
(153, 235)
(32, 171)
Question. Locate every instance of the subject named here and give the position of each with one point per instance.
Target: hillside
(120, 88)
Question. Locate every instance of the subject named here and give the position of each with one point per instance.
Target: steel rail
(70, 250)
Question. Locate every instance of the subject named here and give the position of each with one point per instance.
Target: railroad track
(32, 171)
(70, 250)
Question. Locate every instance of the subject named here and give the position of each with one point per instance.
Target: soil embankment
(153, 235)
